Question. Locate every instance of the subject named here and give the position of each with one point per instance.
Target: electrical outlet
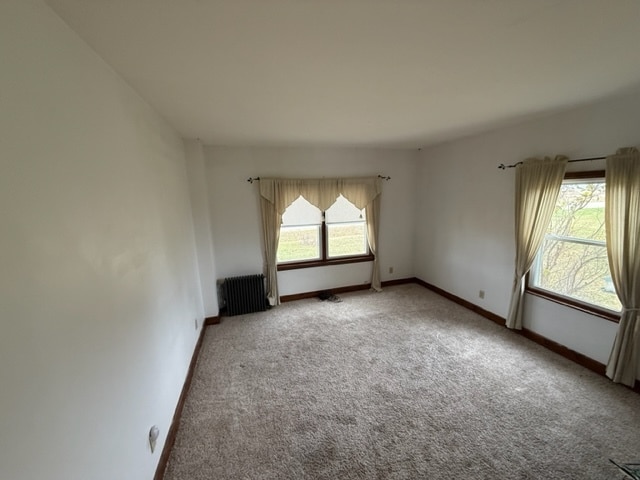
(390, 269)
(196, 322)
(481, 294)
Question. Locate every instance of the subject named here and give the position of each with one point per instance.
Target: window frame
(324, 259)
(568, 301)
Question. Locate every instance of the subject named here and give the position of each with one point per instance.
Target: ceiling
(380, 73)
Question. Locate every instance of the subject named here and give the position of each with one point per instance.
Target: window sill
(567, 302)
(325, 263)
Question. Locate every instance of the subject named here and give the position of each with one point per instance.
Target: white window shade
(343, 211)
(301, 212)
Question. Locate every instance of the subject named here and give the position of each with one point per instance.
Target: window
(346, 230)
(309, 237)
(572, 264)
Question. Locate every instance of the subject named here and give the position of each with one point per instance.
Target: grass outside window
(339, 236)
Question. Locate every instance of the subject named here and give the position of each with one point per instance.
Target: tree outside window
(572, 261)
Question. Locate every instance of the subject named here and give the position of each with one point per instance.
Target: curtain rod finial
(502, 166)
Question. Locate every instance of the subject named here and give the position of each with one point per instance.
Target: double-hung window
(572, 266)
(310, 237)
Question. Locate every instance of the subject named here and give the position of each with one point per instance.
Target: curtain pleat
(537, 187)
(622, 223)
(321, 192)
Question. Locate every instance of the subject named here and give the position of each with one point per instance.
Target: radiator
(244, 294)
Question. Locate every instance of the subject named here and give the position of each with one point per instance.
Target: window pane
(573, 258)
(346, 239)
(300, 232)
(577, 271)
(346, 229)
(299, 243)
(580, 210)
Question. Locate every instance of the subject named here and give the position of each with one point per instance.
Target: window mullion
(324, 237)
(578, 240)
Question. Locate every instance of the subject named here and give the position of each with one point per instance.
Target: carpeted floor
(401, 384)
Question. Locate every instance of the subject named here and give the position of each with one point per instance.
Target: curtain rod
(502, 166)
(254, 179)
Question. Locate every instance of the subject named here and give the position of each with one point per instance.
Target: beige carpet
(401, 384)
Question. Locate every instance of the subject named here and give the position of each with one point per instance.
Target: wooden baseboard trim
(349, 288)
(555, 347)
(300, 296)
(399, 281)
(566, 352)
(460, 301)
(212, 320)
(175, 421)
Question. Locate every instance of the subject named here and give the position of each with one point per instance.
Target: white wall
(235, 209)
(465, 236)
(202, 225)
(98, 278)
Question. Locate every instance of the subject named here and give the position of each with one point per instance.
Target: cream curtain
(622, 222)
(271, 220)
(372, 213)
(537, 187)
(276, 194)
(322, 192)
